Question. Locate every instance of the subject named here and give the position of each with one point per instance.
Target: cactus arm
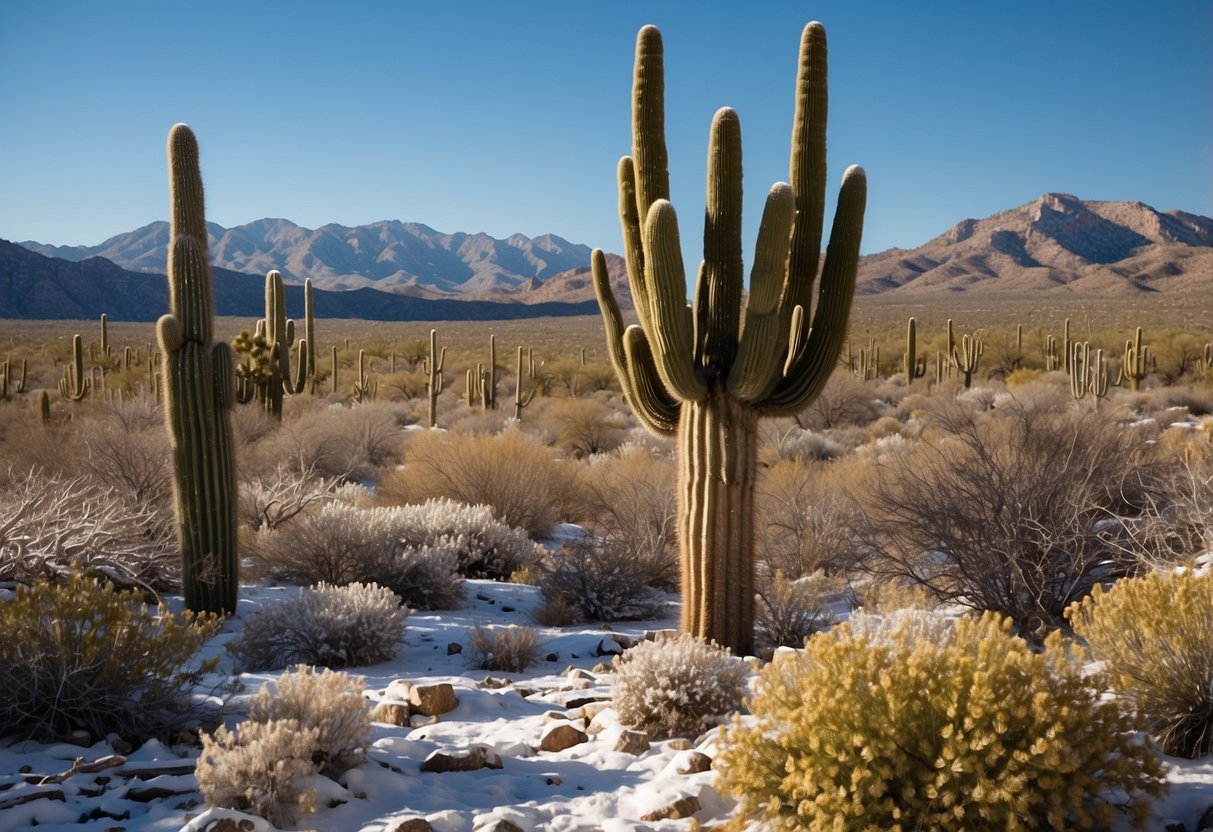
(643, 387)
(807, 168)
(309, 329)
(671, 334)
(648, 121)
(764, 338)
(810, 371)
(718, 290)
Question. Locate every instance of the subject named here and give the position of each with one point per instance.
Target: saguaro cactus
(965, 356)
(1133, 363)
(198, 395)
(75, 384)
(432, 367)
(280, 335)
(521, 400)
(707, 374)
(913, 366)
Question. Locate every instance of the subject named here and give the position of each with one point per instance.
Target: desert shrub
(584, 427)
(261, 768)
(676, 687)
(891, 595)
(515, 475)
(270, 502)
(806, 445)
(1022, 376)
(905, 725)
(803, 523)
(83, 655)
(393, 547)
(333, 442)
(1153, 635)
(330, 626)
(600, 579)
(629, 500)
(483, 546)
(331, 703)
(789, 611)
(52, 524)
(1015, 510)
(507, 649)
(557, 611)
(846, 400)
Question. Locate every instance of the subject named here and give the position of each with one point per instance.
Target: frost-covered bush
(677, 686)
(261, 768)
(789, 611)
(51, 524)
(908, 723)
(331, 703)
(483, 546)
(330, 626)
(342, 543)
(1154, 634)
(599, 580)
(506, 649)
(84, 656)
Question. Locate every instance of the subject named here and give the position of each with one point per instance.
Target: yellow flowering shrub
(909, 723)
(1154, 634)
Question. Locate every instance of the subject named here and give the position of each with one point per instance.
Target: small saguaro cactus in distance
(522, 400)
(707, 374)
(280, 335)
(198, 396)
(488, 378)
(1133, 365)
(965, 356)
(432, 367)
(913, 366)
(75, 386)
(365, 386)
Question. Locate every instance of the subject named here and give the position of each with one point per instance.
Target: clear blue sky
(503, 118)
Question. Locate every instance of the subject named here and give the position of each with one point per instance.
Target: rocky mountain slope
(1055, 243)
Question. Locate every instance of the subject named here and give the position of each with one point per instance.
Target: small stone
(453, 648)
(231, 825)
(507, 608)
(552, 657)
(391, 713)
(580, 684)
(413, 825)
(684, 807)
(495, 682)
(603, 667)
(554, 780)
(692, 762)
(581, 701)
(633, 742)
(550, 716)
(496, 825)
(579, 673)
(475, 758)
(623, 641)
(422, 721)
(433, 700)
(679, 744)
(480, 596)
(561, 735)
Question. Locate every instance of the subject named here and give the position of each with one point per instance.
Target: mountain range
(399, 271)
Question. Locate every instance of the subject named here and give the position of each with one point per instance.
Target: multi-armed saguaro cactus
(521, 400)
(707, 374)
(75, 385)
(965, 356)
(1133, 364)
(198, 395)
(280, 335)
(365, 386)
(488, 378)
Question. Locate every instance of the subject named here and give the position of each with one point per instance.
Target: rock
(592, 709)
(692, 762)
(633, 742)
(495, 682)
(680, 744)
(684, 807)
(453, 648)
(433, 700)
(554, 780)
(496, 825)
(597, 724)
(507, 608)
(398, 691)
(231, 825)
(421, 721)
(413, 825)
(578, 673)
(603, 667)
(480, 596)
(475, 758)
(552, 657)
(391, 713)
(551, 716)
(80, 737)
(561, 735)
(624, 641)
(581, 701)
(608, 647)
(659, 635)
(580, 684)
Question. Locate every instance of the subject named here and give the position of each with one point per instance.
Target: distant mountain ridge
(36, 287)
(1055, 243)
(389, 255)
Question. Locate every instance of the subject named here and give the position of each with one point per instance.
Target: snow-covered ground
(588, 786)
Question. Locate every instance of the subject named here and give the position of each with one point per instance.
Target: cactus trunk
(717, 444)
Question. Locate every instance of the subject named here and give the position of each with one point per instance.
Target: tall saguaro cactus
(706, 374)
(198, 395)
